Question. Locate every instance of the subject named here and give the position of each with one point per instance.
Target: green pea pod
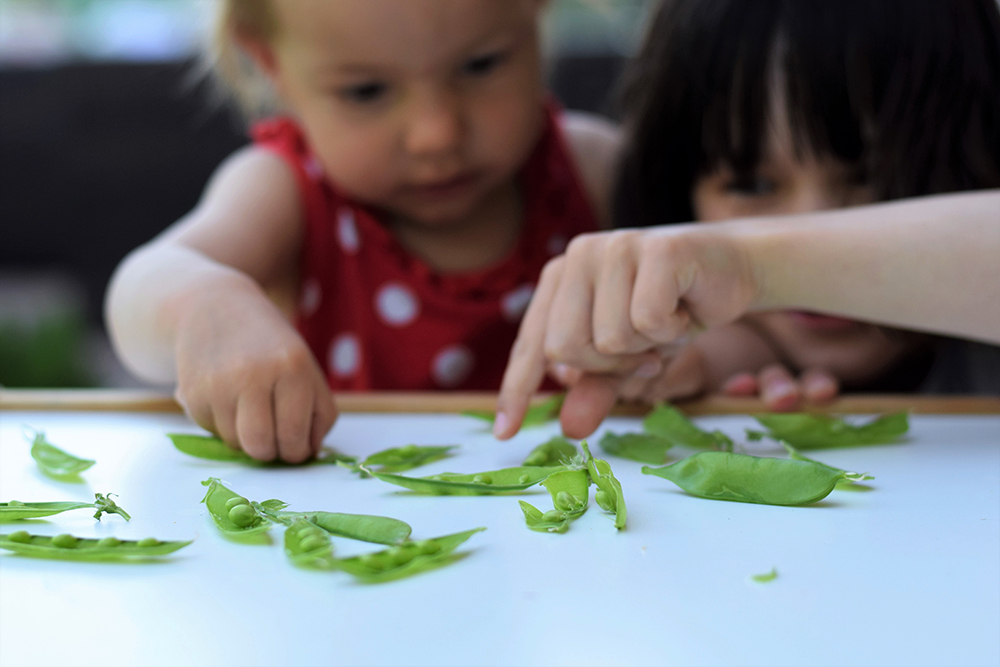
(537, 415)
(506, 480)
(308, 545)
(362, 527)
(231, 520)
(809, 431)
(16, 510)
(609, 496)
(54, 461)
(641, 447)
(849, 477)
(569, 490)
(751, 479)
(400, 459)
(670, 423)
(406, 559)
(554, 521)
(214, 449)
(68, 547)
(766, 577)
(553, 452)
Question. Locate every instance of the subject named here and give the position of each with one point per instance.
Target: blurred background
(107, 137)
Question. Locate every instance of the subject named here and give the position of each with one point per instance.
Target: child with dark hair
(777, 110)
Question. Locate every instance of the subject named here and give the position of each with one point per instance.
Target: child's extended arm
(927, 264)
(192, 307)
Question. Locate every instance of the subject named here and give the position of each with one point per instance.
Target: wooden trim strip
(131, 400)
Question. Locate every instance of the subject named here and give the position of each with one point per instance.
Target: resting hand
(780, 390)
(246, 375)
(612, 302)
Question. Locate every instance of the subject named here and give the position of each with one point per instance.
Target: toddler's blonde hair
(225, 61)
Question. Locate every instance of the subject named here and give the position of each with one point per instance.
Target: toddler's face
(785, 183)
(420, 107)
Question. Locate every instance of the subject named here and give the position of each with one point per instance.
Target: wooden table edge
(132, 400)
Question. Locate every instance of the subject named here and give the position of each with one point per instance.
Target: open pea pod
(751, 479)
(537, 415)
(15, 510)
(54, 461)
(506, 480)
(641, 447)
(669, 423)
(213, 449)
(553, 452)
(68, 547)
(850, 478)
(406, 559)
(408, 457)
(308, 545)
(553, 521)
(609, 496)
(234, 515)
(363, 527)
(570, 490)
(809, 431)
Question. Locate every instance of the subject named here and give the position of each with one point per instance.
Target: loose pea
(552, 516)
(20, 536)
(147, 542)
(311, 543)
(242, 515)
(108, 542)
(64, 541)
(233, 502)
(482, 479)
(15, 503)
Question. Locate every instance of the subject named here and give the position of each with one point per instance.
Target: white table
(908, 573)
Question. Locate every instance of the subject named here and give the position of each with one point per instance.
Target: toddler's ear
(261, 52)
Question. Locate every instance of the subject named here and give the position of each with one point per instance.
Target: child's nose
(435, 125)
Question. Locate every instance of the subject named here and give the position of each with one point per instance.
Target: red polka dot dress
(378, 318)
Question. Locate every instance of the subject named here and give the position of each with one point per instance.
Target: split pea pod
(474, 484)
(553, 452)
(362, 527)
(15, 510)
(54, 461)
(809, 431)
(408, 457)
(211, 448)
(670, 423)
(641, 447)
(406, 559)
(233, 514)
(553, 521)
(308, 545)
(751, 479)
(609, 496)
(570, 494)
(69, 547)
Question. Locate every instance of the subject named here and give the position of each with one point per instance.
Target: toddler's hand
(780, 390)
(611, 301)
(246, 375)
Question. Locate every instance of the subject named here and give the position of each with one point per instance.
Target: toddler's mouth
(445, 189)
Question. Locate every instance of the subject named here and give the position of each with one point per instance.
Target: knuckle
(612, 342)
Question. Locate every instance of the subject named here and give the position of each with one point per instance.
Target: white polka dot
(345, 355)
(314, 169)
(452, 366)
(515, 302)
(311, 297)
(556, 244)
(347, 231)
(396, 304)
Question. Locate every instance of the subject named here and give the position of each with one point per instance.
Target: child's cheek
(359, 163)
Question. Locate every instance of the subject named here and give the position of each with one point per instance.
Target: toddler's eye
(751, 186)
(484, 64)
(363, 93)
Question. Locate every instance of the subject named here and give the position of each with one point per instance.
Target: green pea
(604, 500)
(566, 501)
(311, 543)
(536, 459)
(20, 536)
(64, 541)
(427, 547)
(371, 560)
(408, 450)
(15, 503)
(524, 479)
(242, 515)
(147, 542)
(483, 479)
(553, 516)
(315, 531)
(399, 555)
(233, 502)
(108, 542)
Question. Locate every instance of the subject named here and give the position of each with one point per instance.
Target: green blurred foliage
(45, 354)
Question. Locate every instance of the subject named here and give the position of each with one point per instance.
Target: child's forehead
(411, 32)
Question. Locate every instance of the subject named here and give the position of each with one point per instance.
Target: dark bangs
(908, 91)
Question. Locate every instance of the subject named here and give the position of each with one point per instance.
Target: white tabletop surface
(906, 574)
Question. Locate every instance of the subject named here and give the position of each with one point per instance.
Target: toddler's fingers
(293, 409)
(568, 334)
(611, 322)
(778, 388)
(526, 365)
(255, 423)
(587, 403)
(741, 384)
(655, 310)
(199, 411)
(324, 416)
(224, 418)
(819, 386)
(684, 376)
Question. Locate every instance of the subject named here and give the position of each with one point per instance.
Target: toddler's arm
(192, 306)
(613, 298)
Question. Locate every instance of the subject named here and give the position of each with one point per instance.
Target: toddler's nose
(435, 126)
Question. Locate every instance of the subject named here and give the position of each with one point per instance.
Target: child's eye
(482, 65)
(363, 93)
(751, 186)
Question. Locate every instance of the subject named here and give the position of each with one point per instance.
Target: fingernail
(500, 424)
(648, 370)
(779, 389)
(560, 371)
